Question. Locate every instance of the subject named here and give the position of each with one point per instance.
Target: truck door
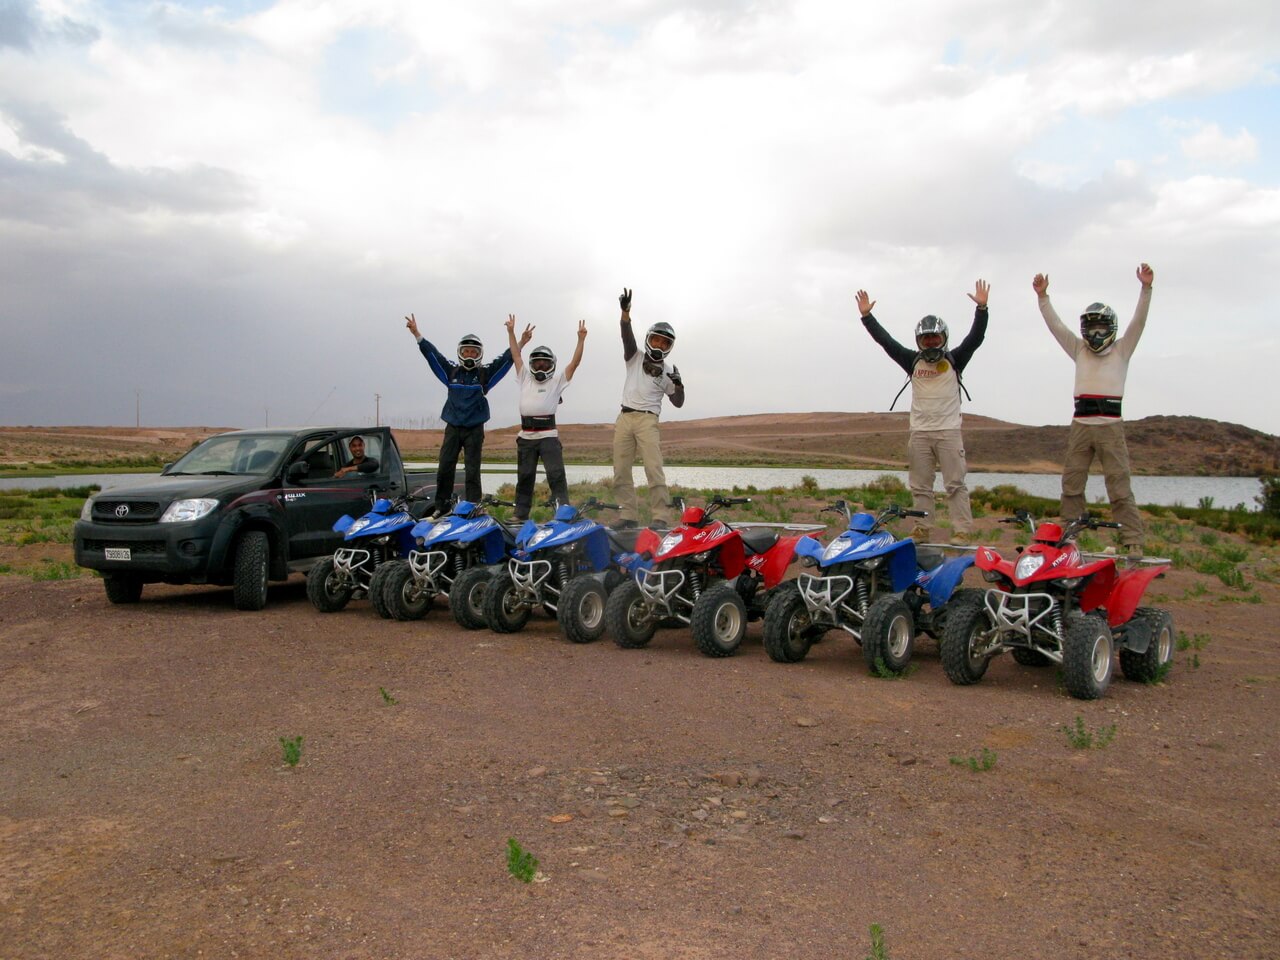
(317, 498)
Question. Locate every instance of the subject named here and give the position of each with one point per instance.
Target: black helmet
(542, 353)
(658, 354)
(470, 340)
(1098, 326)
(928, 326)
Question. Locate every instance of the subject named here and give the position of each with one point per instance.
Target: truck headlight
(86, 512)
(182, 511)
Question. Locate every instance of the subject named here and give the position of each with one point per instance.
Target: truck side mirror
(298, 471)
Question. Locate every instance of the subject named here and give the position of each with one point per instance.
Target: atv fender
(343, 523)
(946, 578)
(647, 542)
(780, 556)
(1136, 635)
(1099, 590)
(810, 547)
(1128, 591)
(901, 558)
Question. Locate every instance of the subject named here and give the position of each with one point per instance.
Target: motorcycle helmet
(931, 326)
(542, 362)
(659, 331)
(1098, 326)
(470, 340)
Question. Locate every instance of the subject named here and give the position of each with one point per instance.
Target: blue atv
(876, 588)
(455, 556)
(568, 566)
(370, 544)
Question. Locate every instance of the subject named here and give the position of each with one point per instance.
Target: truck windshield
(234, 454)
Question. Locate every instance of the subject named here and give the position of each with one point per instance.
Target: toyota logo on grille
(122, 510)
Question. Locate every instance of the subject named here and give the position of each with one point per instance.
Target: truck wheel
(377, 583)
(402, 597)
(626, 616)
(122, 587)
(1086, 657)
(503, 609)
(1149, 666)
(719, 621)
(326, 591)
(887, 635)
(581, 613)
(466, 597)
(788, 630)
(253, 557)
(967, 620)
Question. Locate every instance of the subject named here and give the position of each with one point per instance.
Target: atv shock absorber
(459, 563)
(695, 584)
(1056, 615)
(863, 593)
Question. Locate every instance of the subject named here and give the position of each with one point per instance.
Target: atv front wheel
(967, 622)
(466, 597)
(1147, 667)
(327, 591)
(1086, 657)
(581, 612)
(377, 582)
(788, 628)
(402, 597)
(626, 616)
(887, 635)
(504, 611)
(719, 621)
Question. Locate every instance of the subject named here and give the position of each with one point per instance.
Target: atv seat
(928, 558)
(623, 541)
(759, 541)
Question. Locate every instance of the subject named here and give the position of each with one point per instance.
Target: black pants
(470, 441)
(527, 453)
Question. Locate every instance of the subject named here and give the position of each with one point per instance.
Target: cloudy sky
(223, 211)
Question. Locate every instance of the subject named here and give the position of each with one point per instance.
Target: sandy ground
(680, 807)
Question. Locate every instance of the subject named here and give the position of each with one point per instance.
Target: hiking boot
(1133, 551)
(920, 534)
(962, 539)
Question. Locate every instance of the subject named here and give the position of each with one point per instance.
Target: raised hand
(624, 301)
(980, 291)
(582, 330)
(1146, 276)
(528, 333)
(865, 303)
(411, 323)
(1040, 284)
(674, 376)
(511, 324)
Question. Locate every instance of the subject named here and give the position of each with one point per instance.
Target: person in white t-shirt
(1102, 363)
(649, 379)
(540, 389)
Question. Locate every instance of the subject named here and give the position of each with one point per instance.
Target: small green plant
(1197, 641)
(808, 485)
(878, 951)
(979, 764)
(1083, 739)
(521, 864)
(1194, 661)
(1205, 503)
(292, 750)
(881, 670)
(1162, 671)
(387, 698)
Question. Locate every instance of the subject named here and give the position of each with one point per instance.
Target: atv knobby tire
(719, 621)
(966, 618)
(1147, 667)
(788, 630)
(1087, 652)
(503, 609)
(466, 597)
(325, 590)
(581, 612)
(377, 583)
(888, 633)
(122, 587)
(626, 616)
(401, 595)
(252, 565)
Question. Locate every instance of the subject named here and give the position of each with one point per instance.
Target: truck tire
(503, 610)
(887, 635)
(1149, 666)
(326, 592)
(788, 630)
(1087, 652)
(377, 583)
(401, 595)
(581, 613)
(122, 587)
(626, 616)
(466, 597)
(252, 566)
(966, 618)
(719, 621)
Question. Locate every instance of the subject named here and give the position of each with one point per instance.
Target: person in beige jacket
(1102, 363)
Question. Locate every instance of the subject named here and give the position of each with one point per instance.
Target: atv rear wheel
(719, 621)
(581, 612)
(466, 597)
(626, 616)
(788, 629)
(967, 621)
(1087, 652)
(1150, 665)
(402, 597)
(327, 591)
(504, 611)
(887, 635)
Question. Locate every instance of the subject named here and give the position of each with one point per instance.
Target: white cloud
(1209, 145)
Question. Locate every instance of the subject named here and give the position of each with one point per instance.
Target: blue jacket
(467, 404)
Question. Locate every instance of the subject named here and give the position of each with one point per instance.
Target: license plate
(118, 553)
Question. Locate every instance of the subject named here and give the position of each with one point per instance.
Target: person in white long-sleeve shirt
(1102, 363)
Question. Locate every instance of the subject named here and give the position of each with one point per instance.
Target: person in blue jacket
(466, 408)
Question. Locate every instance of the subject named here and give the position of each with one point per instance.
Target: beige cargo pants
(637, 433)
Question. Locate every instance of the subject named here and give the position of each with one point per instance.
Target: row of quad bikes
(1048, 604)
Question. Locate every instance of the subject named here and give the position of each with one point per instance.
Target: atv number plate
(118, 553)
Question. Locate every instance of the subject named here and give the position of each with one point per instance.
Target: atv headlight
(670, 542)
(1028, 564)
(358, 525)
(181, 511)
(541, 535)
(835, 547)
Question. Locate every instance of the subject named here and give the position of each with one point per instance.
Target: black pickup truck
(240, 508)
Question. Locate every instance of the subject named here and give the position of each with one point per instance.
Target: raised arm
(897, 352)
(1133, 332)
(1066, 339)
(577, 351)
(628, 337)
(978, 332)
(437, 361)
(516, 346)
(677, 387)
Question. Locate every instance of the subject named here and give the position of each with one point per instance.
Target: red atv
(705, 574)
(1054, 604)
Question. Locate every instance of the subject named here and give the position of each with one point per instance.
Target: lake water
(1166, 491)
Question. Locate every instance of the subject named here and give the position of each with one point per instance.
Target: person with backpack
(466, 409)
(1102, 363)
(934, 375)
(540, 389)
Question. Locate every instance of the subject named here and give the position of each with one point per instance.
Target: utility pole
(377, 409)
(137, 409)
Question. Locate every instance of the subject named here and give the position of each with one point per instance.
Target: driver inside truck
(359, 462)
